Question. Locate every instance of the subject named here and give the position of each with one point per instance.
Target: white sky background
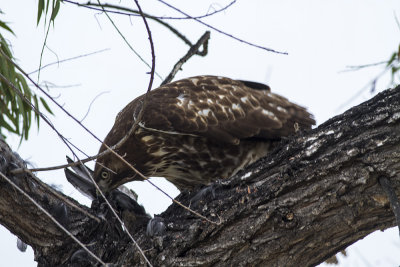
(321, 37)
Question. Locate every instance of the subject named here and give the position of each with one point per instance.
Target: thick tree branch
(25, 220)
(314, 195)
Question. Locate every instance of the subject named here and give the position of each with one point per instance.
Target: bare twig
(48, 85)
(41, 53)
(57, 167)
(131, 12)
(52, 218)
(203, 41)
(214, 12)
(126, 41)
(68, 59)
(104, 6)
(222, 32)
(358, 67)
(91, 103)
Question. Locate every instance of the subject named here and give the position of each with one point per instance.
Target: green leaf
(45, 105)
(22, 82)
(21, 108)
(40, 10)
(4, 47)
(36, 103)
(47, 6)
(28, 119)
(4, 26)
(55, 10)
(7, 126)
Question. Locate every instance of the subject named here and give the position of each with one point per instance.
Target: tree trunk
(314, 195)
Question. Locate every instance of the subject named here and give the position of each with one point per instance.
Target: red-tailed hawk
(198, 130)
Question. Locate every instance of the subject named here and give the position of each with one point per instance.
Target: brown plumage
(197, 130)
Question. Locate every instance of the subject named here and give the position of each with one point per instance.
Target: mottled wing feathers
(219, 108)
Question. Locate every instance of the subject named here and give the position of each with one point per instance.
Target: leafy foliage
(43, 7)
(15, 113)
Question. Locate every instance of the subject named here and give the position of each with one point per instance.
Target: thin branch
(358, 67)
(203, 41)
(126, 41)
(104, 6)
(68, 59)
(52, 218)
(52, 85)
(41, 53)
(135, 13)
(91, 103)
(214, 12)
(222, 32)
(57, 167)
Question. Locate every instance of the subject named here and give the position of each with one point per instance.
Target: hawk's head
(109, 179)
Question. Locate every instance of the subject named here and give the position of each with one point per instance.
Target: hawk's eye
(105, 175)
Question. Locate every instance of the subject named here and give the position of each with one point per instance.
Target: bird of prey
(197, 130)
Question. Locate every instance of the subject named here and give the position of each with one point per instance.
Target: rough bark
(314, 195)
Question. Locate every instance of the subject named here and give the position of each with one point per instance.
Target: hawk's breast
(188, 161)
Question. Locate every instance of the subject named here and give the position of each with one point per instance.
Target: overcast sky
(321, 38)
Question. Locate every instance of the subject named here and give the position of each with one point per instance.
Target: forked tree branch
(315, 194)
